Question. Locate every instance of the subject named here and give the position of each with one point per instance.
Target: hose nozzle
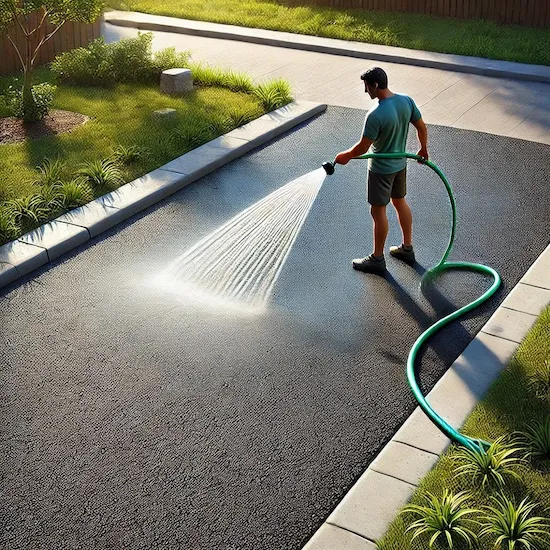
(329, 168)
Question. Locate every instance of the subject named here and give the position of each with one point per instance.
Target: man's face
(371, 90)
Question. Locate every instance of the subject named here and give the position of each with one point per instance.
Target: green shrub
(74, 193)
(205, 75)
(50, 172)
(101, 175)
(127, 60)
(513, 524)
(489, 466)
(273, 94)
(127, 155)
(536, 440)
(38, 104)
(9, 229)
(82, 66)
(29, 210)
(539, 381)
(442, 517)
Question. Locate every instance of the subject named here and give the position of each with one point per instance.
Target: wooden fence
(69, 36)
(535, 13)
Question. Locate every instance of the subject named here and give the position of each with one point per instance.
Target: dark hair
(376, 75)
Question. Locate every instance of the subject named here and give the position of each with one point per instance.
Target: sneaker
(402, 254)
(370, 265)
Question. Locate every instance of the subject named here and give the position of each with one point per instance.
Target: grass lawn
(420, 32)
(121, 115)
(509, 406)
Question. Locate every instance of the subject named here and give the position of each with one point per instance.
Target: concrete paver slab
(330, 537)
(24, 257)
(539, 273)
(510, 324)
(404, 462)
(526, 298)
(94, 216)
(56, 237)
(371, 504)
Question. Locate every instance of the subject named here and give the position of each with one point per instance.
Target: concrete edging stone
(391, 54)
(51, 240)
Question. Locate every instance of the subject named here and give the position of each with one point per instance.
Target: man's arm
(422, 133)
(360, 148)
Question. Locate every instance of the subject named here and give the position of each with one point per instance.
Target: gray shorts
(380, 187)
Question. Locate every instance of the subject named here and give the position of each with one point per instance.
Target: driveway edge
(55, 238)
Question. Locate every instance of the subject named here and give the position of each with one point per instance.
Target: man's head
(375, 79)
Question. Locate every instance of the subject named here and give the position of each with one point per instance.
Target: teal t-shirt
(387, 124)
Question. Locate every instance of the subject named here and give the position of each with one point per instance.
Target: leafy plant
(511, 524)
(539, 381)
(443, 517)
(15, 13)
(273, 94)
(101, 174)
(36, 105)
(205, 75)
(536, 439)
(29, 210)
(240, 118)
(50, 172)
(490, 466)
(239, 82)
(75, 193)
(127, 155)
(189, 137)
(9, 229)
(127, 60)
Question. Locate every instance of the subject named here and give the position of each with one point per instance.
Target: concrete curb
(419, 58)
(388, 483)
(72, 229)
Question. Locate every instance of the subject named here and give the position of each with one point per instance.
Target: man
(386, 128)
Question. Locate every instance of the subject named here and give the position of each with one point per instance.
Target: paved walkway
(495, 105)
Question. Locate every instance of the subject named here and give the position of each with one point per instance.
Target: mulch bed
(13, 130)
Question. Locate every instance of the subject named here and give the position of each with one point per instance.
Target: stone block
(176, 81)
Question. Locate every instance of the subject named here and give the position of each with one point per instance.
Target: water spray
(468, 442)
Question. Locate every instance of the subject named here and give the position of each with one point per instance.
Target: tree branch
(16, 50)
(39, 26)
(45, 39)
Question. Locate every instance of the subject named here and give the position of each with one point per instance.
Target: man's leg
(404, 251)
(380, 229)
(404, 215)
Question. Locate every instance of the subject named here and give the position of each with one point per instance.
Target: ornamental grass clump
(539, 381)
(535, 440)
(273, 94)
(491, 466)
(101, 175)
(74, 193)
(512, 527)
(443, 518)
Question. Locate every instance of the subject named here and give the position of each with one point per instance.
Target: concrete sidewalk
(501, 106)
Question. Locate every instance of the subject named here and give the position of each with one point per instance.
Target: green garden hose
(449, 431)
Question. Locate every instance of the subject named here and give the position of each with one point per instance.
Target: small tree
(15, 13)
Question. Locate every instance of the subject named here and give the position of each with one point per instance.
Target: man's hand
(423, 153)
(342, 158)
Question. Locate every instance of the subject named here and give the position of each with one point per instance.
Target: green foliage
(205, 75)
(539, 381)
(489, 466)
(34, 107)
(59, 11)
(443, 517)
(127, 60)
(273, 94)
(50, 172)
(103, 175)
(29, 210)
(9, 229)
(129, 154)
(239, 82)
(74, 193)
(536, 439)
(240, 118)
(513, 525)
